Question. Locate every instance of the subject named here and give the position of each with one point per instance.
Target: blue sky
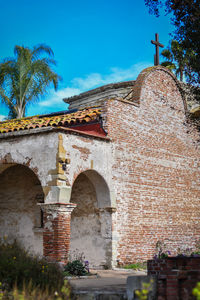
(94, 42)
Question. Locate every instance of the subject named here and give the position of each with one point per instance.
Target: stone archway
(20, 216)
(91, 221)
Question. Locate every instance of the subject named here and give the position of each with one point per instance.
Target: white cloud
(79, 84)
(55, 97)
(116, 75)
(2, 118)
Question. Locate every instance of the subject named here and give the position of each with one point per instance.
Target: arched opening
(91, 222)
(20, 216)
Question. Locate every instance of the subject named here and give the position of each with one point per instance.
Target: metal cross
(157, 44)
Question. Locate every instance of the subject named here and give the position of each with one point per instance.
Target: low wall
(176, 277)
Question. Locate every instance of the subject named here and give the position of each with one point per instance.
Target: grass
(136, 266)
(19, 269)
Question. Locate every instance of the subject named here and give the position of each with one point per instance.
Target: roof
(112, 90)
(78, 118)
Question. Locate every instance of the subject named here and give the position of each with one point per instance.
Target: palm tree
(177, 59)
(26, 77)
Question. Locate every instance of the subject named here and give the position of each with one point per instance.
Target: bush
(19, 268)
(76, 268)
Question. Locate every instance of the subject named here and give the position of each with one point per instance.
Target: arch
(91, 220)
(101, 187)
(20, 216)
(140, 83)
(7, 161)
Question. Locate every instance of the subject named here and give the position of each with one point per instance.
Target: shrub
(18, 268)
(76, 268)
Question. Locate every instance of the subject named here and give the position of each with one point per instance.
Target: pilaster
(56, 235)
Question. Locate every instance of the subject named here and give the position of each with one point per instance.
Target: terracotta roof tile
(66, 120)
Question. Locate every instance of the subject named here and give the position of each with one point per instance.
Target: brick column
(56, 235)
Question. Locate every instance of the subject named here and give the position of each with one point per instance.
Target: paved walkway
(105, 280)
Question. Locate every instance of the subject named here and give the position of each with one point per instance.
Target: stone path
(110, 283)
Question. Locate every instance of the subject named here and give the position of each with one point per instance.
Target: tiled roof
(65, 120)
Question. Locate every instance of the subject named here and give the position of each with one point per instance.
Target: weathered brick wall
(56, 236)
(175, 277)
(155, 171)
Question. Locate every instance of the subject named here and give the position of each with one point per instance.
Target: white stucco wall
(39, 153)
(90, 227)
(20, 216)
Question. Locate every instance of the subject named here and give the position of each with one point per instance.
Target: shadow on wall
(91, 221)
(20, 216)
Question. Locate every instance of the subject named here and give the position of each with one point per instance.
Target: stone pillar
(56, 235)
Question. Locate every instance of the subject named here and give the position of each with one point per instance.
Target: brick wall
(176, 277)
(155, 170)
(56, 235)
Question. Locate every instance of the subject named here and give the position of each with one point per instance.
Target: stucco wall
(20, 217)
(89, 176)
(42, 153)
(36, 151)
(155, 172)
(88, 236)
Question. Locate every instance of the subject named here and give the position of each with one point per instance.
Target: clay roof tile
(80, 117)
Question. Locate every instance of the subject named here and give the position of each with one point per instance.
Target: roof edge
(110, 86)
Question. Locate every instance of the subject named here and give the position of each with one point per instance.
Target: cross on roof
(157, 44)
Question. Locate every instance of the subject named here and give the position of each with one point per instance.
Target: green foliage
(177, 59)
(196, 291)
(136, 266)
(28, 293)
(75, 268)
(19, 268)
(186, 18)
(25, 78)
(146, 289)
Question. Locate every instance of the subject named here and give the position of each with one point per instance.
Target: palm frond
(26, 77)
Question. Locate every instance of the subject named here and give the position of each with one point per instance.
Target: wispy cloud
(55, 97)
(115, 75)
(79, 84)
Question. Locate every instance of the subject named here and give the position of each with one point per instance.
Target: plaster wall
(156, 171)
(90, 227)
(88, 153)
(40, 152)
(89, 177)
(36, 151)
(20, 217)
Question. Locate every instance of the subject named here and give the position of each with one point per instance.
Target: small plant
(144, 292)
(161, 251)
(196, 291)
(76, 268)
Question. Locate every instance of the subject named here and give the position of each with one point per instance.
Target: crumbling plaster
(20, 216)
(91, 227)
(42, 153)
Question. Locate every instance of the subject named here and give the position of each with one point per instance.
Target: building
(108, 178)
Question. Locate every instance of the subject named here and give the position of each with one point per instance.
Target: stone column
(56, 235)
